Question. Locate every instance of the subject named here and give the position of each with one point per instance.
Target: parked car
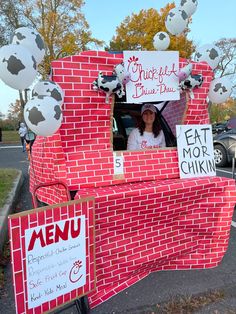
(220, 127)
(225, 126)
(224, 147)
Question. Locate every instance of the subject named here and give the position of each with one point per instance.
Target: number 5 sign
(118, 164)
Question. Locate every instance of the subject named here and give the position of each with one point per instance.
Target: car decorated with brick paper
(147, 217)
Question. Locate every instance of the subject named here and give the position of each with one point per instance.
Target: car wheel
(220, 156)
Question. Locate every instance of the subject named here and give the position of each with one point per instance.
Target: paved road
(157, 287)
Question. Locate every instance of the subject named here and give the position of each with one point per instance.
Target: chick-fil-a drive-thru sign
(53, 255)
(153, 75)
(195, 151)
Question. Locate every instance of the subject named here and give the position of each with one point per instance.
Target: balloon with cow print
(161, 41)
(18, 67)
(43, 115)
(219, 90)
(30, 39)
(189, 6)
(176, 21)
(49, 88)
(209, 53)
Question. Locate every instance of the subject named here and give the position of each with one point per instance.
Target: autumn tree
(223, 112)
(15, 111)
(61, 24)
(137, 31)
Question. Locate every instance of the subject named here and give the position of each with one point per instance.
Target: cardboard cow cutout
(146, 217)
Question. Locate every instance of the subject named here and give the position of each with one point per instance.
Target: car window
(129, 123)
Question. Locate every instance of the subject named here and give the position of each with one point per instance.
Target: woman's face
(148, 117)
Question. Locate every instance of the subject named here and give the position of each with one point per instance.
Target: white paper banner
(154, 76)
(195, 151)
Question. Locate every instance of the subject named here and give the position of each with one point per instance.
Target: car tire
(220, 156)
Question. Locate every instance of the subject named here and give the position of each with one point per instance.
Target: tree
(227, 68)
(223, 112)
(137, 31)
(227, 65)
(15, 112)
(61, 24)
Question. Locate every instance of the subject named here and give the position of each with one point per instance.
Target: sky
(213, 19)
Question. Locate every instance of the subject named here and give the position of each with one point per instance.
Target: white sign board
(153, 76)
(52, 265)
(118, 164)
(195, 151)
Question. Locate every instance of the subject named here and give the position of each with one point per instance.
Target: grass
(191, 304)
(7, 178)
(4, 260)
(186, 304)
(10, 137)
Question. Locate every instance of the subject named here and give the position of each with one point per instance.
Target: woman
(148, 134)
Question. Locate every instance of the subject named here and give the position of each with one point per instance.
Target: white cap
(150, 107)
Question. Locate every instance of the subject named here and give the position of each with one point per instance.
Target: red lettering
(49, 234)
(53, 233)
(62, 234)
(75, 232)
(34, 237)
(138, 74)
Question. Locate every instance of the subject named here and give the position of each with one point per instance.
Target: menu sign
(55, 259)
(153, 76)
(53, 255)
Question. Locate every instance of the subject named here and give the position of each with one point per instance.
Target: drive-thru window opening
(127, 115)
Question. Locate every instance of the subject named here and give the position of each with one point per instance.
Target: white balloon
(43, 115)
(210, 54)
(161, 41)
(49, 88)
(219, 90)
(176, 21)
(189, 6)
(30, 39)
(18, 67)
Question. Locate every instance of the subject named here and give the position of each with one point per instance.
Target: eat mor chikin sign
(52, 251)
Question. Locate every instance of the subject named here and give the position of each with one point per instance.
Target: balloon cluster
(176, 21)
(18, 69)
(19, 59)
(220, 88)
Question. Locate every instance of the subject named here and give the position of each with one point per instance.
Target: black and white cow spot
(14, 65)
(220, 88)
